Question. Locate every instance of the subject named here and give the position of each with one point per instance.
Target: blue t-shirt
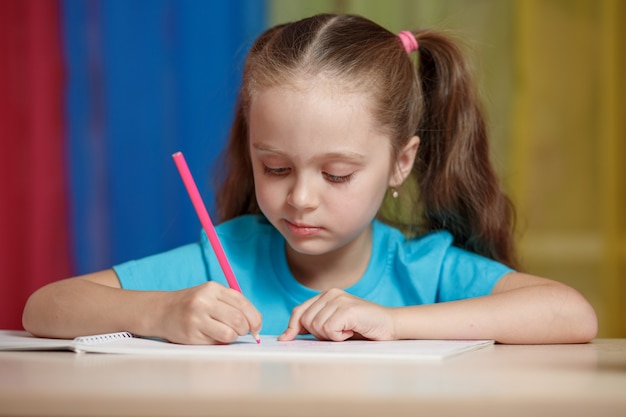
(401, 272)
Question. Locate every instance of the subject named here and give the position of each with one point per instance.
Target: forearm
(74, 307)
(550, 313)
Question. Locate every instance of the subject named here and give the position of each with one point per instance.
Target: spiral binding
(100, 338)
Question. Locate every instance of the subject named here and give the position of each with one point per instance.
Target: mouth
(299, 229)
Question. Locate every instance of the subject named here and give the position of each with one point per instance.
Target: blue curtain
(146, 79)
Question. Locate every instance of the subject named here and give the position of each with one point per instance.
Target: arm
(521, 309)
(96, 303)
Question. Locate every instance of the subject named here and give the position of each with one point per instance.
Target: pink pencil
(207, 224)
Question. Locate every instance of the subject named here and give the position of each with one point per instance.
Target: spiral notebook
(304, 348)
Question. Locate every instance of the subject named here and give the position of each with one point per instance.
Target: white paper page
(20, 340)
(269, 348)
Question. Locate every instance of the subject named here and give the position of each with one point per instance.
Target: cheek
(358, 200)
(370, 199)
(370, 196)
(268, 195)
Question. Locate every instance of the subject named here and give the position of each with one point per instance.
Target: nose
(303, 195)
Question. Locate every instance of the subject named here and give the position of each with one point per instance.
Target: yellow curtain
(552, 74)
(568, 148)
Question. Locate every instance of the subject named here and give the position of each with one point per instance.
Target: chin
(307, 248)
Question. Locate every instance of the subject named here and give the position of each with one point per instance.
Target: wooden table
(500, 380)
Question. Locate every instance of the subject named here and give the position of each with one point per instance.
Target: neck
(341, 268)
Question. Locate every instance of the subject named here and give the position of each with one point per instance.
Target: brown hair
(455, 186)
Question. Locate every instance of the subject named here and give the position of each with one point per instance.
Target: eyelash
(336, 179)
(275, 171)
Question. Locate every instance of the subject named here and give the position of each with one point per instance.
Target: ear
(404, 162)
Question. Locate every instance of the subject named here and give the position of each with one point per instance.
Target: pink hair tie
(408, 40)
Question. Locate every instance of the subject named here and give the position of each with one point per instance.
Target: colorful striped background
(95, 96)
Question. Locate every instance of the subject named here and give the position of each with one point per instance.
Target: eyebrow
(343, 155)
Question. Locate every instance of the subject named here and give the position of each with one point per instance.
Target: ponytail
(458, 187)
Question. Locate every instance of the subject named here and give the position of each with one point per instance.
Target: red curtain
(34, 235)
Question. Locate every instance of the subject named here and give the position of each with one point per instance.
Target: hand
(207, 314)
(336, 315)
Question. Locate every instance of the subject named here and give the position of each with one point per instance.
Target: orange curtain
(34, 238)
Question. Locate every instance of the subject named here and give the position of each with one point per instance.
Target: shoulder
(174, 269)
(433, 257)
(421, 256)
(439, 242)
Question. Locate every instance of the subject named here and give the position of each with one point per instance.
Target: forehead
(314, 114)
(314, 93)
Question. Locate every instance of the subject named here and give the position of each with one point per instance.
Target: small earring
(394, 193)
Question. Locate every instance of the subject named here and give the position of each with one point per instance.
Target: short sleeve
(467, 275)
(176, 269)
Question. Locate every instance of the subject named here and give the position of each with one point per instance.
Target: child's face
(321, 169)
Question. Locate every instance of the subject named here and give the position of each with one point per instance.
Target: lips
(302, 230)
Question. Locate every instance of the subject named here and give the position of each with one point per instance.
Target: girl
(333, 119)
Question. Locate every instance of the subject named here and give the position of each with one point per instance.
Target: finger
(216, 332)
(241, 319)
(316, 313)
(239, 302)
(228, 307)
(289, 334)
(332, 316)
(324, 318)
(294, 327)
(338, 326)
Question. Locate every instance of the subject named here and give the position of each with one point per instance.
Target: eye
(338, 179)
(279, 171)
